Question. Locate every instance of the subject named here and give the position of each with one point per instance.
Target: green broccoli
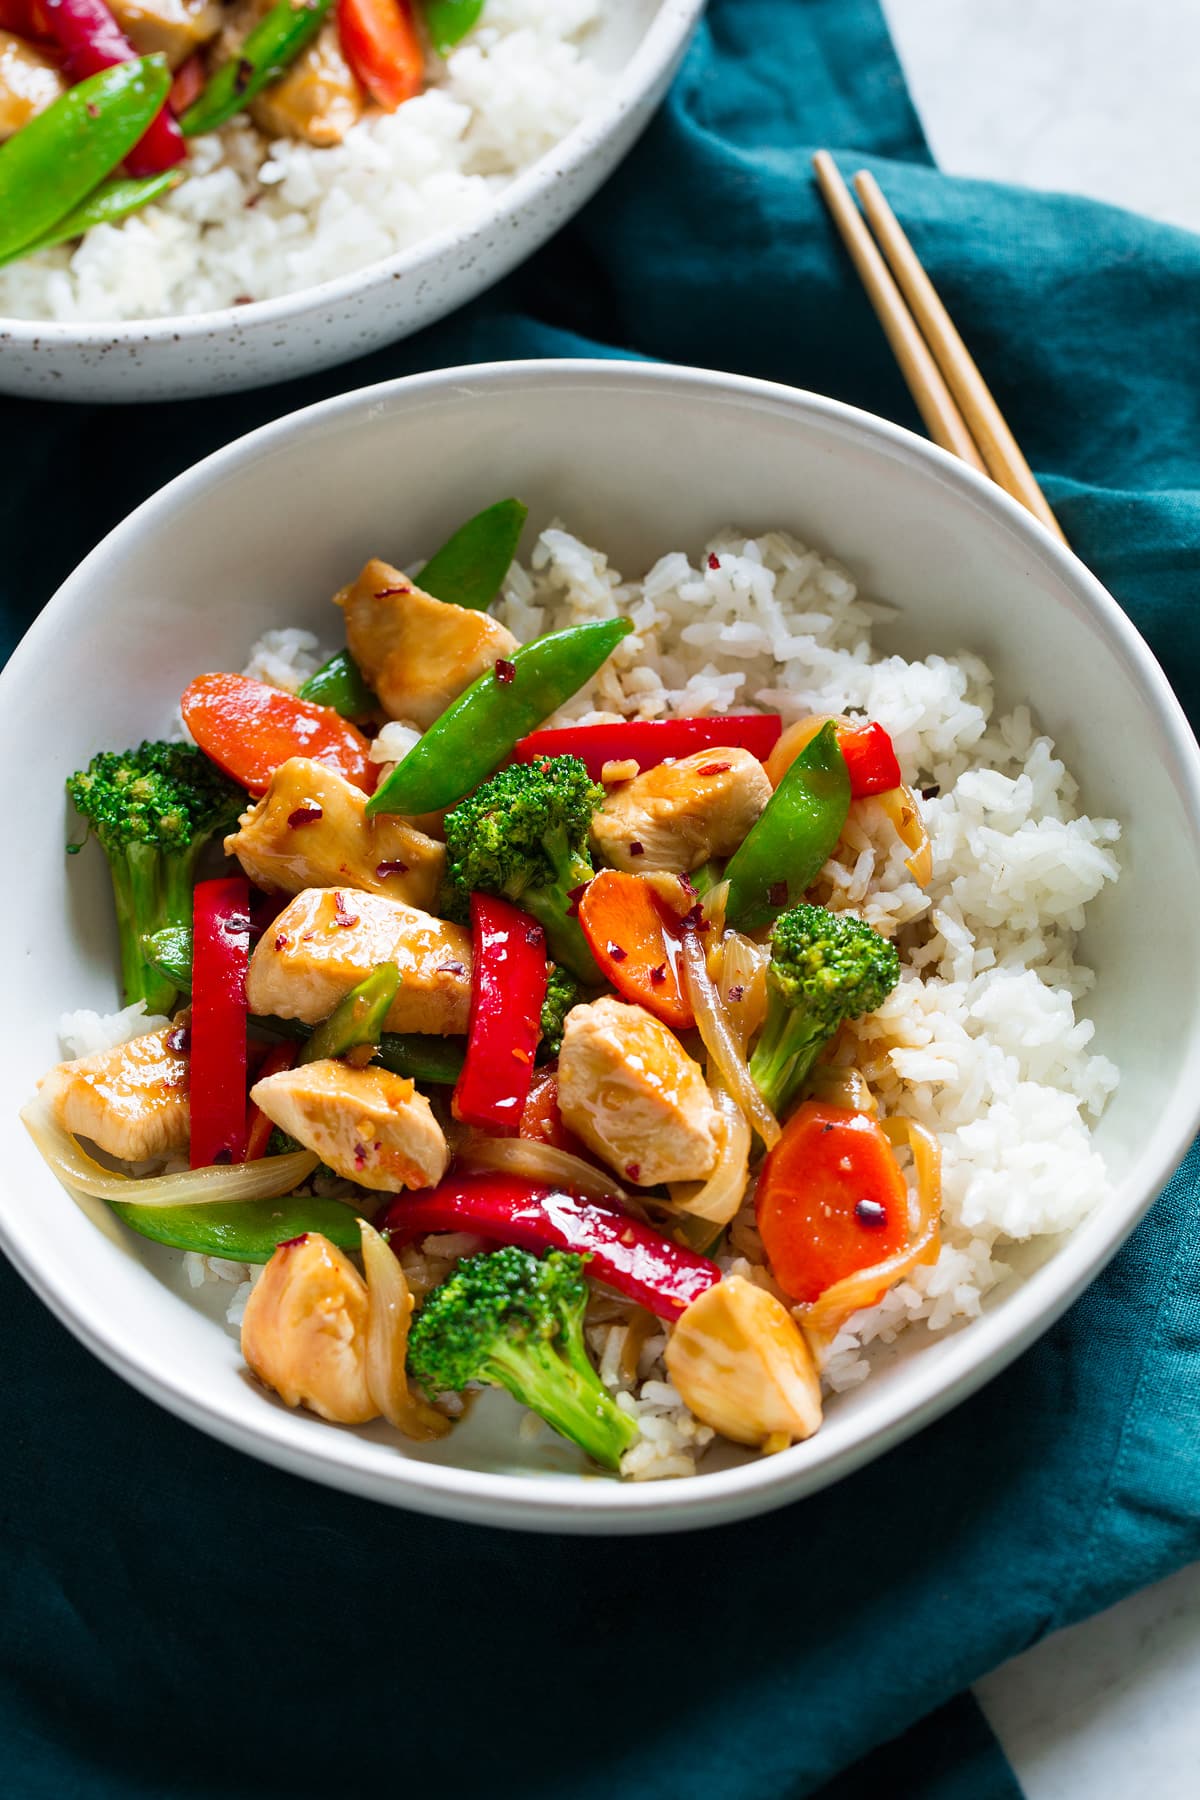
(524, 835)
(153, 810)
(562, 993)
(509, 1320)
(825, 967)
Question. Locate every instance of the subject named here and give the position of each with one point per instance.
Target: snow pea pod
(111, 202)
(470, 566)
(793, 837)
(61, 156)
(245, 1230)
(339, 684)
(448, 22)
(435, 1059)
(358, 1018)
(276, 41)
(478, 730)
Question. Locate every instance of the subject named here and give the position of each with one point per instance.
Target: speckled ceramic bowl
(263, 533)
(640, 44)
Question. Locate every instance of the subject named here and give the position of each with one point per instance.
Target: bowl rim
(651, 61)
(967, 1358)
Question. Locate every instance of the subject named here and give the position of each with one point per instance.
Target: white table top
(1099, 97)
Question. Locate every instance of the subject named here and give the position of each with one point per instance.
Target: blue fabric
(180, 1619)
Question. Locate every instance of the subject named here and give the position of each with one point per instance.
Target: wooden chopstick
(952, 397)
(987, 424)
(935, 403)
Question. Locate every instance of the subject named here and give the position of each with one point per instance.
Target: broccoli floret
(562, 993)
(510, 1320)
(825, 967)
(153, 810)
(524, 835)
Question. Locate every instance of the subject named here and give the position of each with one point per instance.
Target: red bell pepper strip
(380, 42)
(249, 729)
(625, 1255)
(92, 40)
(507, 994)
(25, 19)
(258, 1127)
(187, 85)
(870, 759)
(220, 958)
(648, 742)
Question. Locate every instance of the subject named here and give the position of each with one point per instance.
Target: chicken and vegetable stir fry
(99, 98)
(555, 990)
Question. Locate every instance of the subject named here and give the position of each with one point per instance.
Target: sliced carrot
(249, 729)
(635, 939)
(258, 1126)
(831, 1200)
(381, 43)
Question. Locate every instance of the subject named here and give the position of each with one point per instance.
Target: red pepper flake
(872, 1214)
(384, 869)
(360, 1156)
(574, 896)
(505, 671)
(535, 937)
(243, 299)
(93, 111)
(450, 968)
(616, 952)
(243, 75)
(695, 918)
(777, 893)
(687, 884)
(633, 1170)
(252, 200)
(659, 975)
(223, 1155)
(714, 769)
(340, 915)
(303, 815)
(714, 561)
(290, 1243)
(281, 941)
(179, 1039)
(735, 993)
(636, 849)
(387, 593)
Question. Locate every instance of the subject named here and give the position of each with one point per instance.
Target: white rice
(982, 1040)
(256, 219)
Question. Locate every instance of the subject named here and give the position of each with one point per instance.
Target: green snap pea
(170, 952)
(58, 159)
(470, 566)
(339, 684)
(276, 41)
(478, 730)
(356, 1019)
(111, 202)
(435, 1059)
(242, 1230)
(448, 21)
(794, 836)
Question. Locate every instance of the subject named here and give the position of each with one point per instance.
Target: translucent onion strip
(541, 1162)
(842, 1087)
(265, 1179)
(830, 1310)
(741, 978)
(721, 1042)
(718, 1198)
(900, 805)
(389, 1312)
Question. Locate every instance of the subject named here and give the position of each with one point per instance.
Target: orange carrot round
(635, 938)
(249, 729)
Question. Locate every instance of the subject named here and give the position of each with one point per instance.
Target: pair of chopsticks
(952, 397)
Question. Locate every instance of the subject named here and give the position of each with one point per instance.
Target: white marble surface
(1100, 97)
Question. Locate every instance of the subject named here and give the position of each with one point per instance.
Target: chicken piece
(740, 1363)
(132, 1101)
(629, 1089)
(310, 829)
(681, 813)
(317, 100)
(176, 27)
(370, 1125)
(417, 653)
(304, 1331)
(327, 939)
(29, 83)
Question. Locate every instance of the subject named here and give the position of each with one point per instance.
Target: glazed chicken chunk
(132, 1101)
(304, 1331)
(317, 99)
(310, 829)
(174, 27)
(677, 815)
(629, 1089)
(373, 1127)
(29, 83)
(327, 940)
(417, 653)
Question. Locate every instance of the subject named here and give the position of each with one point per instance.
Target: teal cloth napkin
(179, 1619)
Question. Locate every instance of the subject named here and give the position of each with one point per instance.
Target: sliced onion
(830, 1310)
(842, 1087)
(541, 1162)
(900, 805)
(718, 1198)
(640, 1329)
(389, 1310)
(721, 1042)
(741, 980)
(264, 1179)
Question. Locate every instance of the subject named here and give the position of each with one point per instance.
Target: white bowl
(639, 459)
(639, 43)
